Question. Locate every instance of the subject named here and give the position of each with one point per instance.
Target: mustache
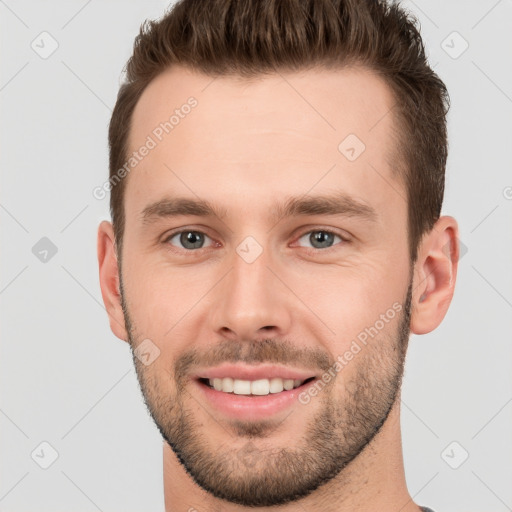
(268, 350)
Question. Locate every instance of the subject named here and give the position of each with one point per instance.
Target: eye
(189, 239)
(321, 239)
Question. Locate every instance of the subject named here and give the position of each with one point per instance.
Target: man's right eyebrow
(179, 206)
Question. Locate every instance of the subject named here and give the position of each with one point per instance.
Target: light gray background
(66, 379)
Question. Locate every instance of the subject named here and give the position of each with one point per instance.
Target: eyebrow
(331, 204)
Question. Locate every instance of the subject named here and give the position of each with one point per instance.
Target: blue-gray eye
(189, 239)
(320, 239)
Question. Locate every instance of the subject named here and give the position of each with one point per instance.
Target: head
(289, 215)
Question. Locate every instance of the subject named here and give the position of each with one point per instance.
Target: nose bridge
(252, 300)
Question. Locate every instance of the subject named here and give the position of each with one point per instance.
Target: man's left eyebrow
(338, 203)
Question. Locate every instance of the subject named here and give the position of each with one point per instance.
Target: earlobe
(435, 273)
(109, 279)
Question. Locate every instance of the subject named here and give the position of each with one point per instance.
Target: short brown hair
(249, 38)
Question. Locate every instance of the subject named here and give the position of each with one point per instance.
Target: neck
(375, 480)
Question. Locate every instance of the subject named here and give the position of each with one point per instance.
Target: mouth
(259, 387)
(251, 392)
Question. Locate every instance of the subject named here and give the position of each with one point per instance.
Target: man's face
(260, 292)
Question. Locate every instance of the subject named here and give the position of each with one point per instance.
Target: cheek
(353, 301)
(164, 303)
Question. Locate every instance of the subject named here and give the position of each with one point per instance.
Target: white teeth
(260, 387)
(242, 387)
(228, 384)
(276, 385)
(288, 384)
(254, 387)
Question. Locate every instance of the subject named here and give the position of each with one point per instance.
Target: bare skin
(246, 147)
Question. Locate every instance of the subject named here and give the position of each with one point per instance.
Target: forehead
(275, 134)
(316, 102)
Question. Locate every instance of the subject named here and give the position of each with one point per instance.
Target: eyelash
(309, 250)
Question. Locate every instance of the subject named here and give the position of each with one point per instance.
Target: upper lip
(252, 372)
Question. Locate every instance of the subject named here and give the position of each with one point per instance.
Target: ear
(109, 279)
(435, 272)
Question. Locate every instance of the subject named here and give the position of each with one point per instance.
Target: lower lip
(251, 407)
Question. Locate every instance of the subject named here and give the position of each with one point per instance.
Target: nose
(252, 302)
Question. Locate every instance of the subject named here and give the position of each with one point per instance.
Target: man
(277, 175)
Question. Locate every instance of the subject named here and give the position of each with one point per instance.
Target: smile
(258, 387)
